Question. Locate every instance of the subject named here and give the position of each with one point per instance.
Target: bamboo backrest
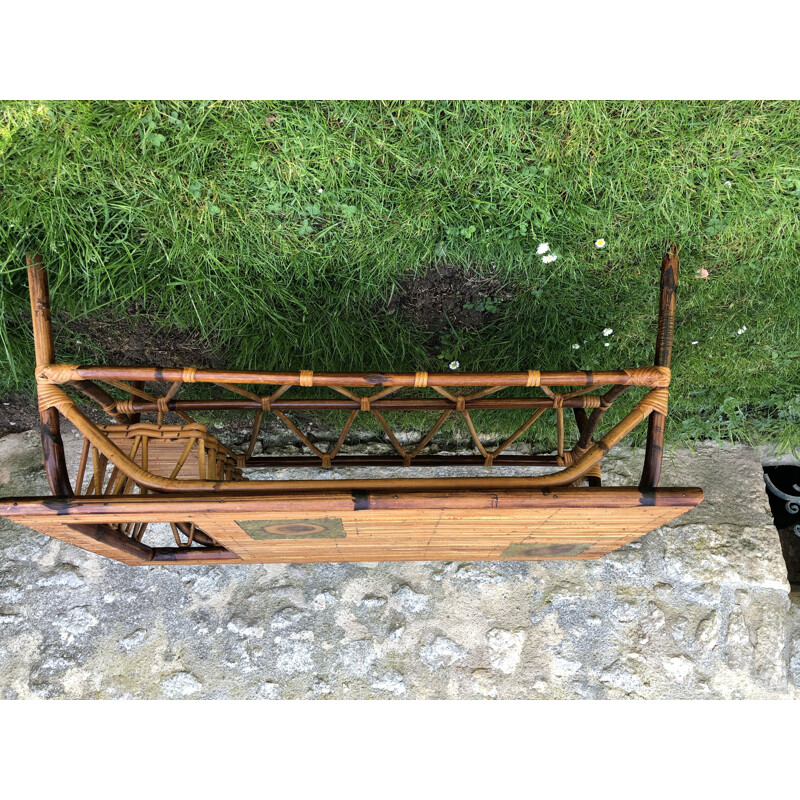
(168, 451)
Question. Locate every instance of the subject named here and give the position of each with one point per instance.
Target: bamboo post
(52, 444)
(134, 418)
(651, 471)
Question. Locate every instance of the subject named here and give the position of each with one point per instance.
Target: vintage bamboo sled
(135, 473)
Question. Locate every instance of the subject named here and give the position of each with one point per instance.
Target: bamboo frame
(456, 393)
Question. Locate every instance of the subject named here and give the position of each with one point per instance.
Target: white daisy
(543, 248)
(319, 191)
(742, 330)
(548, 258)
(695, 342)
(576, 346)
(600, 243)
(608, 331)
(606, 344)
(454, 365)
(727, 183)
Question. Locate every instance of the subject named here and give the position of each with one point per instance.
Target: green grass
(209, 214)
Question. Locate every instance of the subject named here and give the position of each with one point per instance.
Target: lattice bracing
(448, 395)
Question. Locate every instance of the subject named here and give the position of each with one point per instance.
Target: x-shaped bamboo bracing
(376, 402)
(371, 403)
(53, 397)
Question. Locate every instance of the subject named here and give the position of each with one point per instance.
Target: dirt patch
(133, 339)
(18, 413)
(449, 296)
(129, 339)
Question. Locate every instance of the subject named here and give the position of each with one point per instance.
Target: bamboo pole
(52, 445)
(394, 460)
(637, 376)
(337, 404)
(654, 450)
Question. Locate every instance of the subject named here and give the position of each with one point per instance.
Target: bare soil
(129, 339)
(133, 339)
(18, 413)
(448, 295)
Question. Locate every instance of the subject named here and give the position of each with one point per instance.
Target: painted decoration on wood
(545, 549)
(324, 528)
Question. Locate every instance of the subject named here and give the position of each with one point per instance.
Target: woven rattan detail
(656, 377)
(656, 400)
(50, 396)
(57, 373)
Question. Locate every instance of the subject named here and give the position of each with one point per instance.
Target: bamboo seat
(134, 475)
(170, 451)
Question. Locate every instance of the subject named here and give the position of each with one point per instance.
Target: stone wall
(696, 609)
